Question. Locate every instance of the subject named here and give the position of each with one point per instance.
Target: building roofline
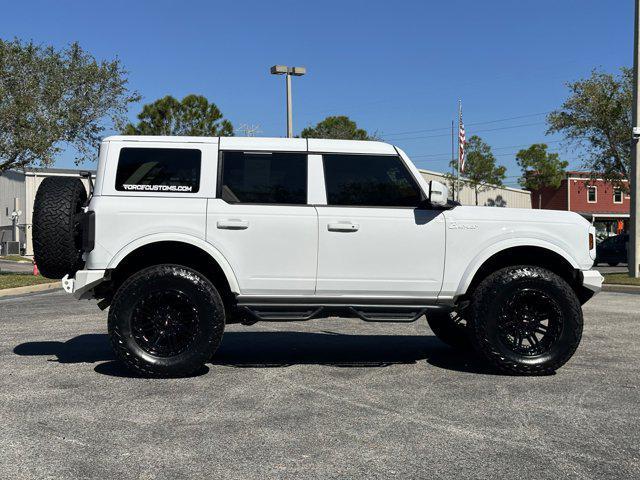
(33, 171)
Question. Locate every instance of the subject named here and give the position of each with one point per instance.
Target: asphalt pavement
(332, 398)
(15, 267)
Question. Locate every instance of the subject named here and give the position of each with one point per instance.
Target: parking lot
(323, 399)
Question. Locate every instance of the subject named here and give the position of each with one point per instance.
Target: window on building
(592, 194)
(263, 177)
(369, 180)
(164, 170)
(617, 196)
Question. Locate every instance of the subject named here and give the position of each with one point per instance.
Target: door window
(263, 178)
(369, 180)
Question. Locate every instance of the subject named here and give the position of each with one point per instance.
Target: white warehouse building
(17, 194)
(493, 196)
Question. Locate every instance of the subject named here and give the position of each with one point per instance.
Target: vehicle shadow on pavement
(283, 349)
(278, 349)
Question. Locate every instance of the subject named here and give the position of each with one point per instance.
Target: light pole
(634, 237)
(288, 71)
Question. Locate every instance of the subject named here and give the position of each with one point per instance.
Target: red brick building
(604, 205)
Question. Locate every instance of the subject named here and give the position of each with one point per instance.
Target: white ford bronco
(183, 235)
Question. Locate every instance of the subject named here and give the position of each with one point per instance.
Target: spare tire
(57, 233)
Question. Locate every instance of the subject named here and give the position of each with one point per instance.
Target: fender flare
(181, 238)
(488, 252)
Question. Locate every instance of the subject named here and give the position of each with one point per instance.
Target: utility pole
(634, 237)
(288, 72)
(249, 130)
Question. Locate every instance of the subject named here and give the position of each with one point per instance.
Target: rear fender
(182, 238)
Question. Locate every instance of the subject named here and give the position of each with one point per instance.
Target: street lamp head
(279, 70)
(283, 69)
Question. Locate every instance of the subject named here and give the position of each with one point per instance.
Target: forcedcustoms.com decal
(158, 188)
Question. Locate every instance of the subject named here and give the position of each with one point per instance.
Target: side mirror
(438, 193)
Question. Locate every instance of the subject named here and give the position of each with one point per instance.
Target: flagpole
(453, 158)
(459, 122)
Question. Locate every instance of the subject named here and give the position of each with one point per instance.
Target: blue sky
(392, 66)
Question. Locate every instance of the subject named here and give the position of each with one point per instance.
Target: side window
(369, 180)
(171, 170)
(263, 177)
(617, 196)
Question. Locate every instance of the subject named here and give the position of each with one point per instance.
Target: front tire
(166, 321)
(525, 320)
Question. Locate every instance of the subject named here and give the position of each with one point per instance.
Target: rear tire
(57, 236)
(450, 327)
(166, 321)
(525, 320)
(613, 264)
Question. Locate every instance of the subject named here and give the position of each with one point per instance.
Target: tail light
(591, 241)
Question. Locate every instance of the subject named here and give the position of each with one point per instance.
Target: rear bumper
(592, 280)
(83, 282)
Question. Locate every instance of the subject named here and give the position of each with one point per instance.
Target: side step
(292, 313)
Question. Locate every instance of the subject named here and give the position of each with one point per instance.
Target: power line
(477, 131)
(504, 147)
(469, 124)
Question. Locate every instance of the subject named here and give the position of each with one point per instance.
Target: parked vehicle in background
(613, 250)
(183, 235)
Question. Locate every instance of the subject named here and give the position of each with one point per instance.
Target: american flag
(461, 142)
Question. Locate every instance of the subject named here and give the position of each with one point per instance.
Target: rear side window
(166, 170)
(257, 177)
(369, 180)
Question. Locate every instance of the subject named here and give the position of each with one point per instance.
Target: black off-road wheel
(450, 327)
(166, 321)
(525, 320)
(57, 235)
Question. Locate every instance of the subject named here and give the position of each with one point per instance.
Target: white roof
(266, 143)
(159, 138)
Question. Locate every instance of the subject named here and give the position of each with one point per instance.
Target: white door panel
(272, 248)
(380, 251)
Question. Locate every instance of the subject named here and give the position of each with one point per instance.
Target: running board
(292, 313)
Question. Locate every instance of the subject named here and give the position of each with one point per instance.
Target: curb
(614, 287)
(43, 287)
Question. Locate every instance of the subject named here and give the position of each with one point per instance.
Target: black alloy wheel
(165, 323)
(529, 322)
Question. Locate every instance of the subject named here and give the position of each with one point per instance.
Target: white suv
(182, 235)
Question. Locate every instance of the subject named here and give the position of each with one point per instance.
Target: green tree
(597, 118)
(480, 170)
(192, 116)
(51, 98)
(339, 127)
(540, 169)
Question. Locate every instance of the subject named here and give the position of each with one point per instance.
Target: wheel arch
(538, 253)
(179, 249)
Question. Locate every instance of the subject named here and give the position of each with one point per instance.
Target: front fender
(182, 238)
(485, 254)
